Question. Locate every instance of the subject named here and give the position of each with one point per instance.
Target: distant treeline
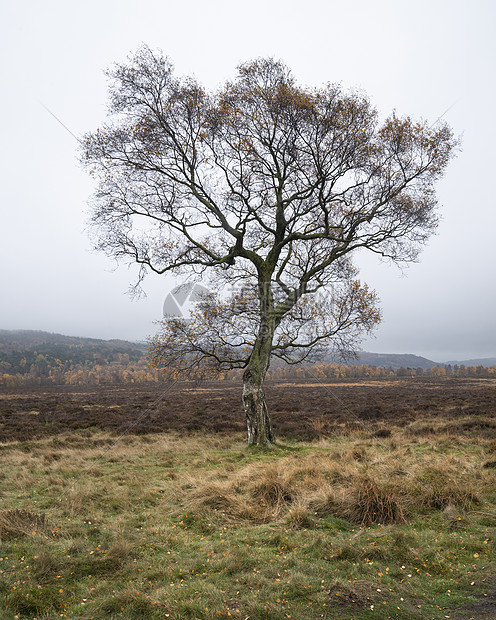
(39, 358)
(337, 371)
(124, 371)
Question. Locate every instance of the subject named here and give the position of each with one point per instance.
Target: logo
(177, 302)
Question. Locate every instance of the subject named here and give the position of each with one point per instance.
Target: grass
(163, 526)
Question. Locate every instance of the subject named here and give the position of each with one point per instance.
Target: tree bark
(258, 420)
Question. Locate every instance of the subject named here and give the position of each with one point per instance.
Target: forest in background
(41, 358)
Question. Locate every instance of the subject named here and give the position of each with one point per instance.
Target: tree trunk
(254, 403)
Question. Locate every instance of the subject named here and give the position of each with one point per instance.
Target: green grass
(200, 527)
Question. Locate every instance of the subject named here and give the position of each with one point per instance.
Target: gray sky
(419, 58)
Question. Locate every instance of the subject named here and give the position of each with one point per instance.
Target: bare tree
(265, 187)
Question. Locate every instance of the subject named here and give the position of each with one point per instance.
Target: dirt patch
(483, 608)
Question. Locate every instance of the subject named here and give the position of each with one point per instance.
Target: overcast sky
(423, 58)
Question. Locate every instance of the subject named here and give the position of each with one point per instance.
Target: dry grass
(18, 522)
(299, 518)
(368, 502)
(365, 482)
(166, 525)
(442, 492)
(453, 518)
(215, 495)
(385, 508)
(271, 488)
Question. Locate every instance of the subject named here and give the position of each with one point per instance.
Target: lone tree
(267, 188)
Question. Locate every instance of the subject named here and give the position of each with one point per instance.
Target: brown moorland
(302, 411)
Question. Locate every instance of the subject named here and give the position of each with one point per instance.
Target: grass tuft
(271, 489)
(440, 491)
(368, 503)
(299, 518)
(18, 522)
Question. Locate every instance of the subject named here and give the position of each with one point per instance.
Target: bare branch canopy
(267, 187)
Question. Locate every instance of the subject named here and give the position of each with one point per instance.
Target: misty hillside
(393, 360)
(483, 361)
(21, 349)
(407, 360)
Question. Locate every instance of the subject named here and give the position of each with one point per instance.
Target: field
(143, 502)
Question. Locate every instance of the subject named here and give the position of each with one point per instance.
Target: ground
(142, 501)
(304, 411)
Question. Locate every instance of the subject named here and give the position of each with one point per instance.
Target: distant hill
(21, 349)
(483, 361)
(394, 360)
(407, 360)
(387, 360)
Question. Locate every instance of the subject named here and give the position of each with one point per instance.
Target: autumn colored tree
(267, 189)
